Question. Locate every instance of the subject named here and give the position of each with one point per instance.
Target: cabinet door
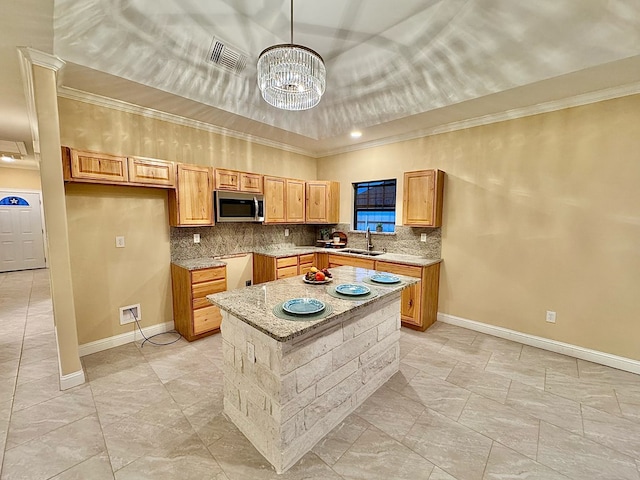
(295, 202)
(410, 305)
(323, 202)
(274, 199)
(339, 260)
(227, 179)
(422, 195)
(98, 166)
(151, 172)
(192, 203)
(250, 182)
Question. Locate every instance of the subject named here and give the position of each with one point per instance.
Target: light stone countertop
(209, 262)
(387, 257)
(199, 263)
(253, 305)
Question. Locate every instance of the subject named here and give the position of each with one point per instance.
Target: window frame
(385, 184)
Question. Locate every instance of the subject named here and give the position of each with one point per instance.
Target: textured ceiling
(392, 67)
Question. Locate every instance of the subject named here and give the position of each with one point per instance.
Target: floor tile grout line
(15, 382)
(106, 447)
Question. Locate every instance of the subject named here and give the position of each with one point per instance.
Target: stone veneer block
(298, 391)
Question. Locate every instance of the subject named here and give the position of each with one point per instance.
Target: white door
(21, 238)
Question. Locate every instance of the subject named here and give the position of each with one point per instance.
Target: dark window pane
(375, 203)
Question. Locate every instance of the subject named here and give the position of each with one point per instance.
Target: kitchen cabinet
(305, 262)
(422, 198)
(93, 167)
(419, 302)
(237, 181)
(340, 260)
(194, 316)
(191, 203)
(323, 202)
(151, 172)
(284, 200)
(267, 268)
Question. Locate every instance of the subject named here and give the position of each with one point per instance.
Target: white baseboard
(71, 380)
(621, 363)
(122, 339)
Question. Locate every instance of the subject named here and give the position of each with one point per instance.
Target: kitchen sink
(361, 252)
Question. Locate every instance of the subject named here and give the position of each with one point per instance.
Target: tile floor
(464, 406)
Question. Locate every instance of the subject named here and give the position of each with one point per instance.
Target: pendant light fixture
(290, 76)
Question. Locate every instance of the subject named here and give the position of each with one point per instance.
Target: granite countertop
(253, 305)
(387, 257)
(199, 263)
(209, 262)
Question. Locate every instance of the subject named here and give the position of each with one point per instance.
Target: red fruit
(320, 277)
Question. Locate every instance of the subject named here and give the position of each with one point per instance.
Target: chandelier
(290, 76)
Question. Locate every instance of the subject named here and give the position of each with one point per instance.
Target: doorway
(21, 233)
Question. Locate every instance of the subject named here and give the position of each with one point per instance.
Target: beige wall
(19, 178)
(106, 278)
(540, 213)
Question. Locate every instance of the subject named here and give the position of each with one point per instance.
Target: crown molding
(42, 59)
(546, 107)
(101, 101)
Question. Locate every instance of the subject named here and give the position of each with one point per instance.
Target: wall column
(39, 71)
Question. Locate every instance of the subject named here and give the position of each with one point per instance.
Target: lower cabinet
(267, 268)
(193, 315)
(419, 302)
(340, 260)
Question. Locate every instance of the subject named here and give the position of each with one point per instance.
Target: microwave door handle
(255, 202)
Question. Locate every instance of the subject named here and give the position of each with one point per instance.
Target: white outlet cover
(286, 232)
(551, 316)
(423, 237)
(119, 242)
(196, 238)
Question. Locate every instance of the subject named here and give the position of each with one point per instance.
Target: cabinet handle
(411, 302)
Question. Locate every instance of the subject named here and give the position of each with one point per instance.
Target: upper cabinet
(191, 203)
(151, 171)
(422, 205)
(284, 200)
(323, 202)
(238, 181)
(92, 167)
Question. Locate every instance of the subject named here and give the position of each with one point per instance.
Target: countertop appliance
(239, 207)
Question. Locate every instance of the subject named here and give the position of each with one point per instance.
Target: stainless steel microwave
(239, 207)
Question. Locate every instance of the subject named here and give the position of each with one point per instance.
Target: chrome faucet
(367, 237)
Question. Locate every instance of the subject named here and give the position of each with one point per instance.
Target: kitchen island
(288, 382)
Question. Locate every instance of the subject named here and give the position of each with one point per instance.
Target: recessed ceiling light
(356, 134)
(7, 158)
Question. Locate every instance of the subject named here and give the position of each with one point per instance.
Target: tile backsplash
(230, 238)
(406, 240)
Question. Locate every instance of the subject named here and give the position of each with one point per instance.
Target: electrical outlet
(119, 242)
(423, 237)
(247, 283)
(196, 238)
(286, 232)
(130, 313)
(551, 316)
(251, 352)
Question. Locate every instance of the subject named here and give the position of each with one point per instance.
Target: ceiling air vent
(226, 56)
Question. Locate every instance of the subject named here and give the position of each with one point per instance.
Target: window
(374, 203)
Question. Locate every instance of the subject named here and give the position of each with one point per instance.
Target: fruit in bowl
(320, 277)
(314, 275)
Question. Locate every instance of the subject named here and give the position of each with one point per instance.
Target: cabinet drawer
(338, 260)
(287, 272)
(251, 183)
(304, 268)
(203, 289)
(98, 166)
(152, 172)
(207, 274)
(306, 258)
(408, 270)
(287, 262)
(227, 180)
(206, 319)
